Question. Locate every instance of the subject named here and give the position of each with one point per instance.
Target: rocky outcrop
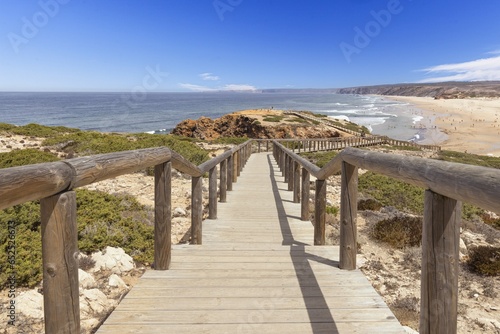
(243, 126)
(444, 90)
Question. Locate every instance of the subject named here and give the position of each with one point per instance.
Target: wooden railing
(54, 183)
(446, 184)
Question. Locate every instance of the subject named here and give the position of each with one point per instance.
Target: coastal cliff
(273, 124)
(443, 90)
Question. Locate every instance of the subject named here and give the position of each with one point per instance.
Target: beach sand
(471, 125)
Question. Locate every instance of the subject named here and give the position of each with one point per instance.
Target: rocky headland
(259, 124)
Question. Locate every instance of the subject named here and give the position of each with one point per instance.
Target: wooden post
(267, 145)
(291, 173)
(196, 210)
(239, 162)
(60, 263)
(296, 183)
(320, 212)
(348, 213)
(440, 258)
(258, 143)
(235, 166)
(287, 175)
(163, 216)
(230, 166)
(223, 181)
(212, 193)
(304, 207)
(283, 164)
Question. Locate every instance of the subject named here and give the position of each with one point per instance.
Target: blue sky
(198, 45)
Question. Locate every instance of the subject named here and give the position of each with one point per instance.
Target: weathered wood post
(291, 174)
(286, 174)
(60, 263)
(296, 183)
(235, 166)
(230, 166)
(320, 212)
(212, 193)
(258, 143)
(267, 145)
(196, 210)
(304, 207)
(223, 181)
(163, 216)
(440, 258)
(240, 158)
(348, 213)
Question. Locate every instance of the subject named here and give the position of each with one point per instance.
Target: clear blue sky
(186, 45)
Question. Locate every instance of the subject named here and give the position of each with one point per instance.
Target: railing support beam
(163, 216)
(320, 212)
(440, 258)
(348, 213)
(196, 210)
(304, 207)
(60, 263)
(223, 181)
(212, 193)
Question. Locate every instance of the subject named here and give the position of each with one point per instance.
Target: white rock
(409, 330)
(463, 246)
(329, 203)
(86, 280)
(116, 282)
(114, 259)
(30, 303)
(179, 212)
(93, 301)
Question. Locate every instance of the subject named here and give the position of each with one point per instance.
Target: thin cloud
(196, 88)
(209, 77)
(485, 69)
(231, 87)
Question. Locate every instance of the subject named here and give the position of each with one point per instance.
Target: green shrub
(390, 192)
(103, 220)
(485, 260)
(320, 159)
(494, 222)
(399, 232)
(25, 157)
(333, 210)
(274, 119)
(405, 148)
(369, 204)
(36, 130)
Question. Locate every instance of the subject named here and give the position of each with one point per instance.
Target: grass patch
(274, 119)
(332, 210)
(103, 220)
(399, 232)
(485, 260)
(89, 143)
(470, 159)
(405, 148)
(230, 140)
(320, 159)
(36, 130)
(25, 157)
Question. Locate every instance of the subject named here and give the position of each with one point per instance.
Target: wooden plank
(223, 181)
(212, 193)
(60, 265)
(248, 327)
(320, 212)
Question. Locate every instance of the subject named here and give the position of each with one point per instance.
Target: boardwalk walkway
(256, 272)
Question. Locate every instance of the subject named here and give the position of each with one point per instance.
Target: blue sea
(160, 112)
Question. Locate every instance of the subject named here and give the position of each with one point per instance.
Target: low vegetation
(320, 159)
(485, 260)
(470, 159)
(103, 220)
(25, 157)
(399, 232)
(274, 118)
(230, 140)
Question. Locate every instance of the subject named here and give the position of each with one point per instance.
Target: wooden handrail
(447, 184)
(53, 184)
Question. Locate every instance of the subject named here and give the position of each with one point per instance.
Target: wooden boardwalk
(256, 272)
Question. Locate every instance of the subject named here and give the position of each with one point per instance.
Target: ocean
(160, 112)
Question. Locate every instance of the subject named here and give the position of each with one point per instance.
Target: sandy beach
(471, 125)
